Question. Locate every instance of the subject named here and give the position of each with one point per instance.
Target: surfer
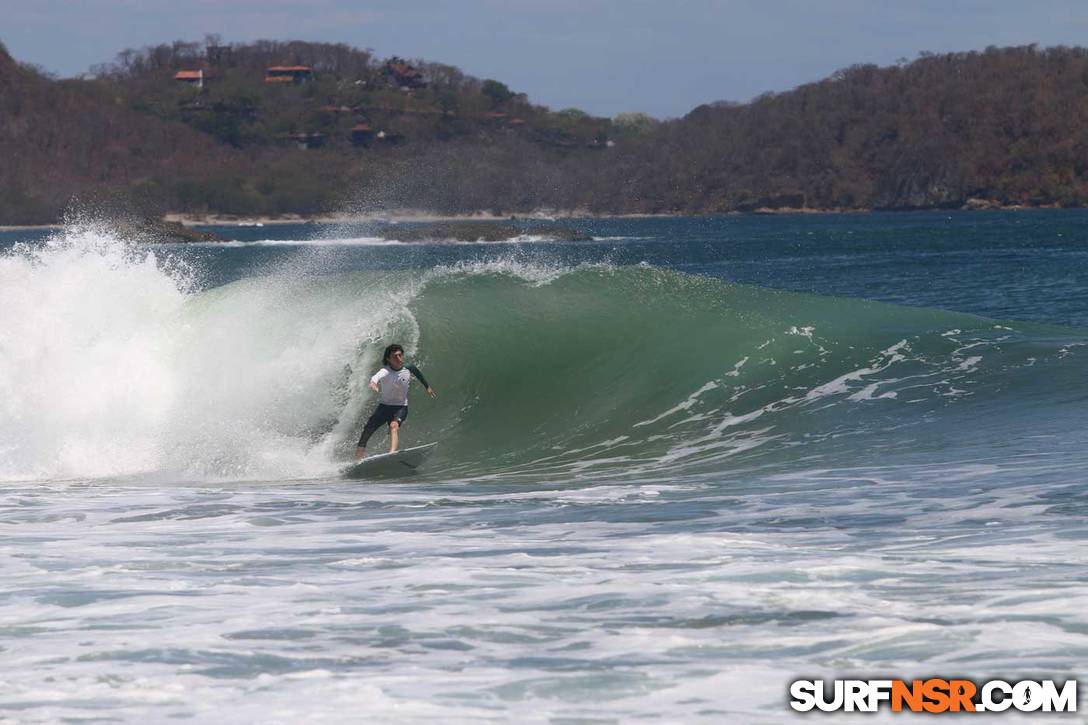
(391, 383)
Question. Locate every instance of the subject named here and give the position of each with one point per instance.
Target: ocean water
(679, 467)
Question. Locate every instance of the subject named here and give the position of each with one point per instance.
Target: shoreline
(421, 216)
(28, 227)
(391, 217)
(546, 215)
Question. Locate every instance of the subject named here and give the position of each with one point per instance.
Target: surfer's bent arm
(374, 380)
(415, 371)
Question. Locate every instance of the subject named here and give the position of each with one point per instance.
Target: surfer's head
(393, 356)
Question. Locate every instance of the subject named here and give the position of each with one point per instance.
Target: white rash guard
(393, 384)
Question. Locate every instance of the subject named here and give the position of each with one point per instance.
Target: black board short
(382, 414)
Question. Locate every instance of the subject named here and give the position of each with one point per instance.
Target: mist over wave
(114, 362)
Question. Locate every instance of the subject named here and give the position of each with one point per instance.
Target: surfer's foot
(359, 453)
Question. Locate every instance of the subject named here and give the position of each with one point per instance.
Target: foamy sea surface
(679, 467)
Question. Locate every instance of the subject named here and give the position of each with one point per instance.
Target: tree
(572, 114)
(634, 122)
(497, 92)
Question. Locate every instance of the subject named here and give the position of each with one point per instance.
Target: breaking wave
(113, 362)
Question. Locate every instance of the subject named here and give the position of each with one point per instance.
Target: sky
(602, 56)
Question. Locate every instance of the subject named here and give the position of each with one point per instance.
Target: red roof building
(192, 77)
(404, 75)
(361, 134)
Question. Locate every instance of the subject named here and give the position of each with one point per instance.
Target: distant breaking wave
(378, 242)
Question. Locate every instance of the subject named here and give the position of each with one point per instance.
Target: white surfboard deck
(389, 465)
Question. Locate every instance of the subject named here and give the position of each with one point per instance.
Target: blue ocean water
(679, 466)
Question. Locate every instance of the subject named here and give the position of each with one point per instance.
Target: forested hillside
(291, 127)
(1003, 126)
(59, 138)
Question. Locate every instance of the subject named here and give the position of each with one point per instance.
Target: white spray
(111, 364)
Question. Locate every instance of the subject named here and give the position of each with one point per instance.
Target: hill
(1004, 126)
(60, 138)
(291, 127)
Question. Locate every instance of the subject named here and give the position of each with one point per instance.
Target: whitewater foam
(112, 363)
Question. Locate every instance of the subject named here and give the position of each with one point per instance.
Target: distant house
(191, 77)
(361, 134)
(404, 75)
(390, 137)
(288, 74)
(330, 108)
(304, 140)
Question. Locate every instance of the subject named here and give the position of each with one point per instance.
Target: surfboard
(389, 465)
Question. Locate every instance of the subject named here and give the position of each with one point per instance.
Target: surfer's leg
(394, 426)
(380, 416)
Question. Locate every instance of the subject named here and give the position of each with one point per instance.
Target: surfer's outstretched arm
(415, 371)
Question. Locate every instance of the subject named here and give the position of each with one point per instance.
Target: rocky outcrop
(977, 204)
(147, 231)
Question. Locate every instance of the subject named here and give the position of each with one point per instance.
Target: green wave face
(634, 371)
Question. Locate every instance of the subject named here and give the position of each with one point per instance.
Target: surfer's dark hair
(389, 351)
